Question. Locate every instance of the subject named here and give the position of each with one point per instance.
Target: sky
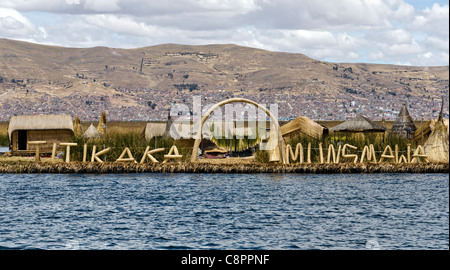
(402, 32)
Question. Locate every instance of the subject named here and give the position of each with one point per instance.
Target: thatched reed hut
(154, 129)
(303, 125)
(77, 129)
(426, 128)
(92, 133)
(49, 128)
(436, 146)
(359, 126)
(162, 129)
(404, 125)
(101, 127)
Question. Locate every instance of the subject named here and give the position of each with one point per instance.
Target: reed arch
(233, 100)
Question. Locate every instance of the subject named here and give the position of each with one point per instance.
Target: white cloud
(437, 43)
(101, 5)
(385, 31)
(398, 36)
(123, 25)
(14, 25)
(403, 11)
(434, 20)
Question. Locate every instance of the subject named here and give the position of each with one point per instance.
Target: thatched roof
(433, 124)
(428, 128)
(154, 129)
(92, 132)
(77, 129)
(359, 124)
(101, 127)
(404, 124)
(436, 146)
(39, 122)
(304, 125)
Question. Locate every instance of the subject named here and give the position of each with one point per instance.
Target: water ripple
(219, 211)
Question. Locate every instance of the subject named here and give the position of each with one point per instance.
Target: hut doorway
(22, 139)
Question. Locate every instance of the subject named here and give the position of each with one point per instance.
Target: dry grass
(198, 167)
(4, 141)
(6, 158)
(118, 127)
(227, 59)
(3, 128)
(231, 160)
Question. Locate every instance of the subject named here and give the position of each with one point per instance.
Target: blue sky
(422, 4)
(406, 32)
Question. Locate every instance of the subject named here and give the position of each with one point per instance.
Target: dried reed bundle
(102, 124)
(197, 167)
(77, 130)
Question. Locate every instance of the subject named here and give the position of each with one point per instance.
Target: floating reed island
(203, 167)
(358, 145)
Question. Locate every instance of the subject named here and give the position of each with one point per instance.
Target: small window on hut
(22, 139)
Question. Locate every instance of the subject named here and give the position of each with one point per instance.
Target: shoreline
(17, 167)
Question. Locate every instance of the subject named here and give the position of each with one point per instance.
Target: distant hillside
(142, 83)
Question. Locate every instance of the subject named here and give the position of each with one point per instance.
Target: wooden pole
(84, 152)
(396, 153)
(37, 143)
(408, 152)
(93, 153)
(421, 126)
(37, 157)
(53, 152)
(331, 151)
(308, 158)
(320, 153)
(145, 154)
(68, 154)
(364, 152)
(68, 145)
(300, 152)
(288, 151)
(338, 153)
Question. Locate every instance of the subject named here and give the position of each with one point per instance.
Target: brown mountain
(142, 83)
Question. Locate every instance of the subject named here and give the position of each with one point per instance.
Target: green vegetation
(117, 142)
(378, 141)
(4, 140)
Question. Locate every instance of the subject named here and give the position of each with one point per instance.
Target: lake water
(220, 211)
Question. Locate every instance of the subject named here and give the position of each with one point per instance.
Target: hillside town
(153, 105)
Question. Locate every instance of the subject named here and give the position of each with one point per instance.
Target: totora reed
(197, 167)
